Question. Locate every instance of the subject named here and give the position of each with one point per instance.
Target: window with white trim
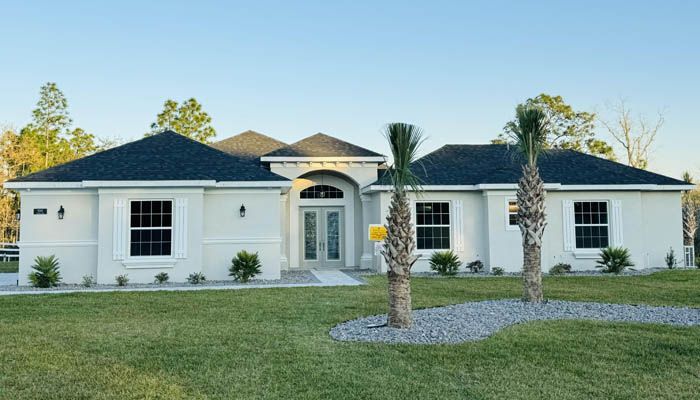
(591, 224)
(512, 214)
(150, 228)
(433, 225)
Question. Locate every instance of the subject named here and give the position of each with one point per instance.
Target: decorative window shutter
(180, 228)
(568, 225)
(457, 225)
(119, 230)
(616, 223)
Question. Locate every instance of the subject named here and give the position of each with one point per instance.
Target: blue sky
(290, 69)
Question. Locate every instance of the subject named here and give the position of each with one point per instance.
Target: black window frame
(591, 224)
(432, 226)
(151, 228)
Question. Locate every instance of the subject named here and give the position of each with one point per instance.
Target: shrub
(475, 266)
(196, 278)
(559, 269)
(614, 259)
(46, 272)
(244, 266)
(88, 281)
(697, 261)
(122, 280)
(498, 271)
(162, 277)
(670, 258)
(445, 262)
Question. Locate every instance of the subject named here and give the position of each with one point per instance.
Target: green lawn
(274, 343)
(9, 266)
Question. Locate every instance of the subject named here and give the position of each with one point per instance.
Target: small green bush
(671, 261)
(196, 278)
(560, 269)
(46, 272)
(244, 266)
(697, 261)
(445, 262)
(498, 271)
(614, 260)
(122, 280)
(162, 277)
(88, 281)
(475, 266)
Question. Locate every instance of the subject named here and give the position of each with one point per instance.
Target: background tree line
(50, 139)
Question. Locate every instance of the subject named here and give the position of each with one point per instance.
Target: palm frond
(530, 132)
(404, 140)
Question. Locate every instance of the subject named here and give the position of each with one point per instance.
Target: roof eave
(548, 186)
(149, 184)
(372, 159)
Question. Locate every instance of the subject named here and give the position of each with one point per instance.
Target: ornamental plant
(614, 260)
(498, 271)
(245, 266)
(161, 278)
(122, 280)
(475, 266)
(196, 278)
(671, 260)
(560, 269)
(445, 263)
(46, 272)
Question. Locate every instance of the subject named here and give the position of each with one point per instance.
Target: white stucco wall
(651, 224)
(73, 239)
(226, 232)
(84, 240)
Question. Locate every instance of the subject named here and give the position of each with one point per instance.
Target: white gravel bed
(479, 320)
(288, 277)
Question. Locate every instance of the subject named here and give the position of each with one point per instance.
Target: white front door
(322, 237)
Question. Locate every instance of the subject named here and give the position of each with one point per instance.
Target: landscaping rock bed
(288, 277)
(479, 320)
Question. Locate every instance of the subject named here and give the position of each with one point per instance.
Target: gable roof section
(166, 156)
(322, 145)
(493, 164)
(249, 144)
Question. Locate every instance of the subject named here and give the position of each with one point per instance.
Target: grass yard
(9, 266)
(274, 343)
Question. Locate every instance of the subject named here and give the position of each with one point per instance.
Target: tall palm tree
(399, 244)
(530, 136)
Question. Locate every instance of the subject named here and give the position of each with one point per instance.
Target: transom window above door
(321, 192)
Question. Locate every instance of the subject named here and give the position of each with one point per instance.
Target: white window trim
(510, 227)
(415, 225)
(149, 259)
(587, 252)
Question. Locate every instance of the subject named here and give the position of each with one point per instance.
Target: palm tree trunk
(531, 219)
(398, 254)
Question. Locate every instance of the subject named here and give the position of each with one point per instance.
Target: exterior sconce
(242, 211)
(61, 212)
(18, 215)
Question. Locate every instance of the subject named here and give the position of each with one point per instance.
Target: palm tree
(399, 244)
(530, 136)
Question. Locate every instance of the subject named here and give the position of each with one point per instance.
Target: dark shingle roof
(249, 144)
(166, 156)
(482, 164)
(322, 145)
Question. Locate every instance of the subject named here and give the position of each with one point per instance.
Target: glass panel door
(333, 235)
(310, 235)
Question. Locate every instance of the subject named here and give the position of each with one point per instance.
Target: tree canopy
(568, 128)
(187, 119)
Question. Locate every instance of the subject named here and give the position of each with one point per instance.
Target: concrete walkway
(326, 279)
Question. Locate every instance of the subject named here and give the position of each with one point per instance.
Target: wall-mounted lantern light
(61, 212)
(242, 211)
(18, 215)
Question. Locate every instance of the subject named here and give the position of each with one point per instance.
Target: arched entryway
(322, 221)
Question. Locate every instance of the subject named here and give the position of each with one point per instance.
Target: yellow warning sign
(377, 232)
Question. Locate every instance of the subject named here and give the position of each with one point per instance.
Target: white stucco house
(167, 203)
